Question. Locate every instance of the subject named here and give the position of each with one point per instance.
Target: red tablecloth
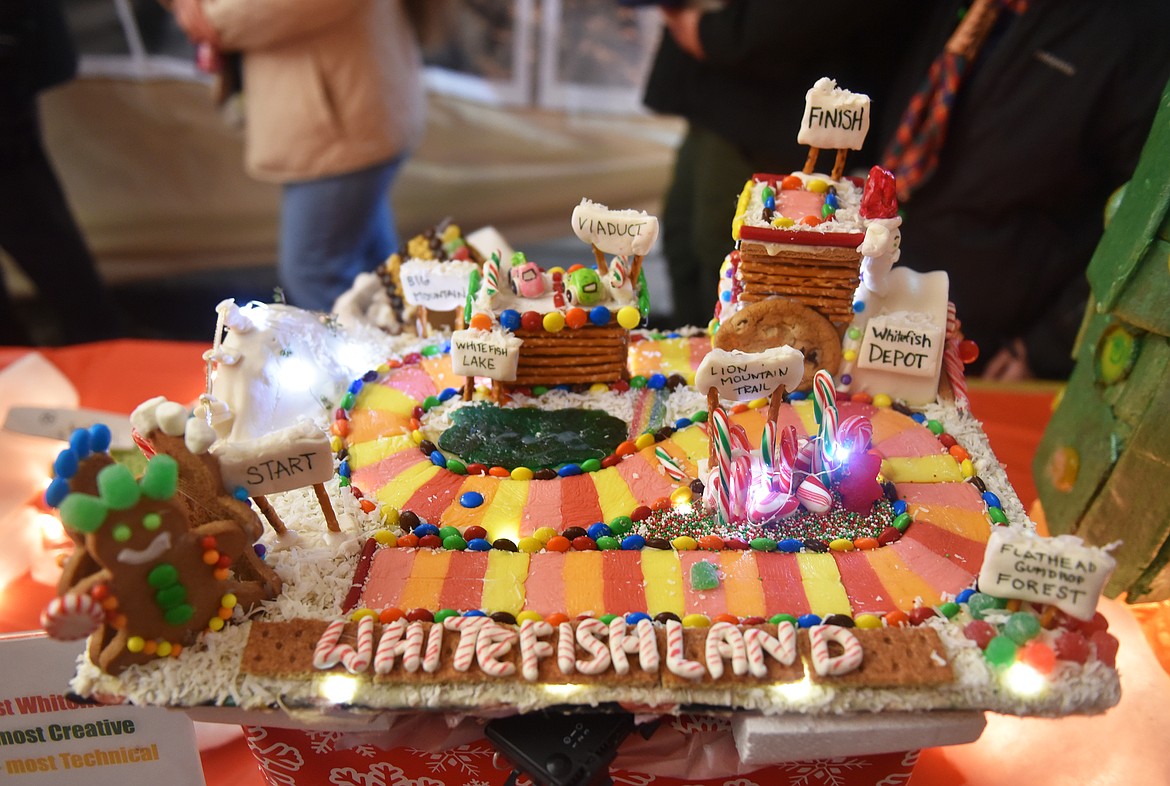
(118, 375)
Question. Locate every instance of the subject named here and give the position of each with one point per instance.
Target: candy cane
(358, 660)
(722, 437)
(782, 647)
(468, 628)
(675, 660)
(669, 465)
(739, 438)
(388, 646)
(814, 495)
(618, 272)
(328, 652)
(725, 641)
(741, 479)
(491, 274)
(819, 637)
(855, 433)
(412, 655)
(431, 661)
(532, 649)
(768, 447)
(825, 408)
(787, 450)
(956, 374)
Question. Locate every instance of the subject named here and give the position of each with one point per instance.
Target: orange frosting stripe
(887, 422)
(369, 424)
(964, 523)
(583, 592)
(438, 368)
(425, 584)
(455, 515)
(741, 580)
(899, 580)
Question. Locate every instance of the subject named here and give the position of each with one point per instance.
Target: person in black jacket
(37, 228)
(1047, 124)
(738, 75)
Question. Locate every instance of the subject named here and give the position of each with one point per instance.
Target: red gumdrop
(530, 320)
(473, 532)
(1039, 656)
(968, 351)
(1089, 627)
(430, 542)
(980, 631)
(1106, 646)
(1072, 646)
(921, 614)
(879, 198)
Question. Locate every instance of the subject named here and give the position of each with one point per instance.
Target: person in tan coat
(334, 102)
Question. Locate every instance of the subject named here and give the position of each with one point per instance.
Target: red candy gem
(471, 533)
(530, 320)
(889, 535)
(879, 198)
(611, 460)
(968, 351)
(980, 631)
(420, 615)
(1089, 627)
(752, 621)
(947, 440)
(340, 414)
(640, 513)
(224, 562)
(621, 386)
(1039, 656)
(207, 543)
(1106, 647)
(430, 542)
(584, 543)
(1072, 646)
(417, 413)
(413, 357)
(477, 469)
(921, 614)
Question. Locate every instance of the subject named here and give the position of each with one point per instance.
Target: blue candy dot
(991, 500)
(99, 437)
(479, 544)
(355, 387)
(445, 347)
(634, 617)
(56, 493)
(899, 507)
(370, 376)
(656, 381)
(831, 201)
(563, 387)
(965, 595)
(599, 315)
(447, 394)
(343, 469)
(510, 319)
(790, 545)
(598, 530)
(918, 417)
(66, 464)
(770, 203)
(846, 379)
(725, 296)
(79, 441)
(471, 499)
(673, 334)
(797, 395)
(858, 306)
(633, 543)
(240, 493)
(422, 530)
(569, 470)
(438, 459)
(474, 613)
(808, 620)
(260, 550)
(682, 423)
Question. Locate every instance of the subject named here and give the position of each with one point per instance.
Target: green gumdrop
(117, 487)
(169, 597)
(1021, 626)
(162, 575)
(179, 615)
(980, 603)
(704, 576)
(1001, 651)
(83, 512)
(608, 618)
(161, 478)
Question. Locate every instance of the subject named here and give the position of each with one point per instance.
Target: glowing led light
(353, 356)
(684, 509)
(296, 373)
(337, 688)
(511, 531)
(51, 529)
(562, 691)
(841, 454)
(794, 691)
(1024, 681)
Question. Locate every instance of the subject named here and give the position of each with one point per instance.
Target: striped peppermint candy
(814, 495)
(855, 433)
(770, 504)
(741, 479)
(72, 616)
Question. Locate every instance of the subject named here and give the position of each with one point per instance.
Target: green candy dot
(699, 417)
(347, 401)
(162, 575)
(608, 543)
(763, 544)
(638, 381)
(342, 482)
(430, 351)
(997, 515)
(948, 609)
(539, 390)
(117, 487)
(590, 465)
(608, 618)
(172, 596)
(83, 512)
(935, 427)
(981, 603)
(161, 478)
(621, 525)
(454, 543)
(780, 619)
(429, 403)
(179, 615)
(456, 466)
(152, 521)
(448, 531)
(1021, 627)
(444, 614)
(902, 522)
(854, 333)
(122, 533)
(1001, 651)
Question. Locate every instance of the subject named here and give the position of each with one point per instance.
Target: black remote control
(561, 749)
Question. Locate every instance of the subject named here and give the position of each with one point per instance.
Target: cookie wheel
(779, 321)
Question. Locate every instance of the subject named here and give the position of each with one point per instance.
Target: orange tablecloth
(1120, 747)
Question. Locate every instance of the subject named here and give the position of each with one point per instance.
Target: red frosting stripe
(579, 505)
(544, 591)
(910, 443)
(934, 569)
(640, 472)
(783, 589)
(373, 477)
(621, 576)
(543, 508)
(965, 553)
(862, 584)
(463, 585)
(435, 496)
(388, 574)
(414, 381)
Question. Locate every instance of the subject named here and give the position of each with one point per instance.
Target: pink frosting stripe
(783, 588)
(710, 602)
(862, 584)
(935, 569)
(375, 476)
(699, 347)
(964, 552)
(951, 495)
(645, 481)
(579, 505)
(788, 417)
(413, 381)
(463, 585)
(388, 575)
(543, 508)
(886, 423)
(909, 443)
(621, 582)
(847, 409)
(434, 496)
(544, 589)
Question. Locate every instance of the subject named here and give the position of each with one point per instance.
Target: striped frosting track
(822, 584)
(700, 347)
(463, 585)
(805, 420)
(935, 569)
(363, 454)
(781, 581)
(583, 592)
(742, 584)
(543, 508)
(389, 571)
(544, 591)
(438, 369)
(502, 516)
(848, 409)
(649, 409)
(692, 441)
(909, 443)
(613, 495)
(964, 552)
(863, 586)
(372, 477)
(435, 496)
(414, 381)
(366, 425)
(425, 584)
(903, 586)
(954, 495)
(579, 504)
(381, 397)
(941, 468)
(397, 491)
(504, 582)
(680, 456)
(642, 473)
(962, 522)
(887, 422)
(663, 579)
(455, 515)
(711, 601)
(621, 580)
(677, 356)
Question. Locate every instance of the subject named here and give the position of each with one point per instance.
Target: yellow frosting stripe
(583, 590)
(402, 488)
(421, 590)
(676, 356)
(663, 580)
(502, 517)
(693, 441)
(822, 584)
(807, 414)
(503, 583)
(375, 396)
(903, 585)
(971, 524)
(613, 495)
(456, 515)
(922, 469)
(363, 454)
(741, 583)
(752, 421)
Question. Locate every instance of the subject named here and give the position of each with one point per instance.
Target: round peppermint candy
(72, 617)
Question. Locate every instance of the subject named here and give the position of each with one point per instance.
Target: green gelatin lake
(530, 437)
